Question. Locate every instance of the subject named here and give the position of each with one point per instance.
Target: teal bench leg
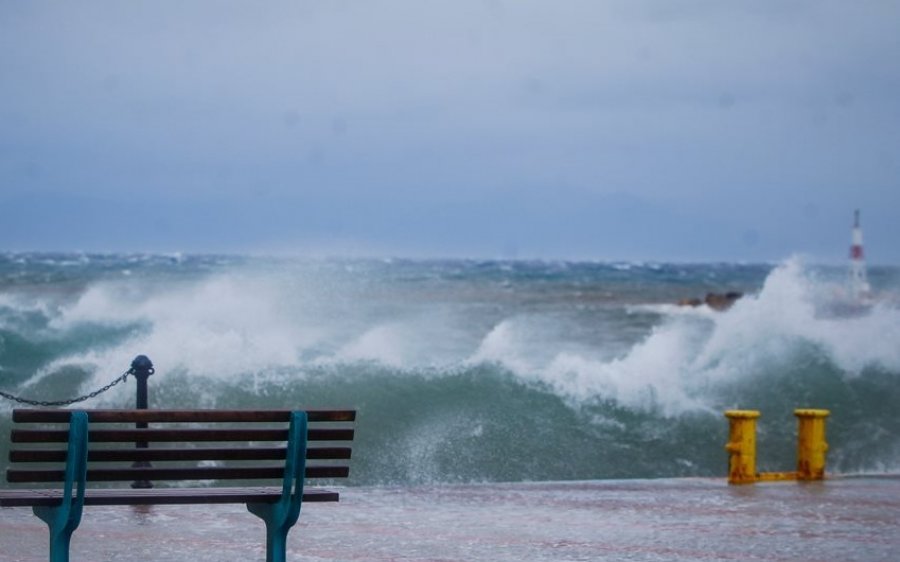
(64, 518)
(281, 515)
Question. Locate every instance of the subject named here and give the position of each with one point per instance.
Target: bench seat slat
(180, 416)
(180, 454)
(18, 476)
(161, 496)
(175, 435)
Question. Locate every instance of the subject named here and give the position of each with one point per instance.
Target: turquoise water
(472, 371)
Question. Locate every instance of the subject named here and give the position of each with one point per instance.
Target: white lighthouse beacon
(859, 284)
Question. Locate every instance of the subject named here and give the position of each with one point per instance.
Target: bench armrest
(295, 466)
(64, 518)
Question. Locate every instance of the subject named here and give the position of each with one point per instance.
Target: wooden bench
(264, 451)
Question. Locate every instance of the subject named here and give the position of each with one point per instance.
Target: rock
(716, 301)
(719, 301)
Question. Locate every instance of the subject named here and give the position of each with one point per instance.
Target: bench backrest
(178, 445)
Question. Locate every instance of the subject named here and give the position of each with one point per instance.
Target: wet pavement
(843, 519)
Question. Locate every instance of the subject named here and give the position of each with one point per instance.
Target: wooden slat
(175, 435)
(158, 472)
(146, 435)
(161, 496)
(181, 416)
(19, 476)
(182, 454)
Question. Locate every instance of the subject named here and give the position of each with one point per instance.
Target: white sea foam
(233, 324)
(786, 311)
(500, 346)
(289, 329)
(652, 374)
(695, 349)
(391, 345)
(224, 325)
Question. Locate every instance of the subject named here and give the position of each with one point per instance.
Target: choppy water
(472, 371)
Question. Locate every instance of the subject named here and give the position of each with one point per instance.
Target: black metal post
(141, 368)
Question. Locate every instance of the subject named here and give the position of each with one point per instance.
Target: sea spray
(469, 371)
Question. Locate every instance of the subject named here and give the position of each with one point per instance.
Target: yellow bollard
(811, 445)
(741, 446)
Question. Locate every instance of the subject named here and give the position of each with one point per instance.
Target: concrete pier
(841, 518)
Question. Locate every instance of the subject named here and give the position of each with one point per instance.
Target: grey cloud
(490, 111)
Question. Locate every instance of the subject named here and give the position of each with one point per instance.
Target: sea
(472, 374)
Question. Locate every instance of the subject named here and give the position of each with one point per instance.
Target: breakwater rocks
(716, 301)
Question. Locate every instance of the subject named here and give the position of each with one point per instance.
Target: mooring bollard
(141, 368)
(741, 446)
(811, 445)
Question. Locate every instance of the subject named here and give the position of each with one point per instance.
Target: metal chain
(97, 392)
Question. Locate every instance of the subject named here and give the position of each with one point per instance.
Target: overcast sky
(605, 130)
